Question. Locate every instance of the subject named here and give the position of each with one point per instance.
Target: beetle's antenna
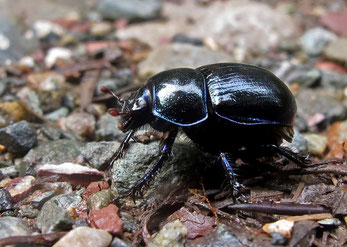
(107, 90)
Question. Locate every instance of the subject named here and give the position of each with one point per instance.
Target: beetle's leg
(163, 156)
(297, 159)
(122, 147)
(230, 174)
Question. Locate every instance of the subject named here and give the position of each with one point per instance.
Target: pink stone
(196, 224)
(81, 123)
(75, 174)
(330, 66)
(20, 187)
(336, 21)
(107, 219)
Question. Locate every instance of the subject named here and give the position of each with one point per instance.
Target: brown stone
(107, 219)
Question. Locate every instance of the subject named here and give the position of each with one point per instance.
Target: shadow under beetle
(222, 108)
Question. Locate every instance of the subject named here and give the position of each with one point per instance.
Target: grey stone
(139, 158)
(99, 154)
(54, 152)
(298, 144)
(226, 236)
(10, 171)
(18, 138)
(30, 99)
(181, 38)
(53, 133)
(129, 221)
(55, 215)
(11, 226)
(333, 80)
(107, 130)
(28, 212)
(278, 239)
(3, 86)
(117, 242)
(99, 199)
(305, 76)
(51, 99)
(5, 200)
(56, 114)
(314, 40)
(38, 201)
(320, 101)
(119, 79)
(179, 56)
(337, 50)
(13, 45)
(130, 9)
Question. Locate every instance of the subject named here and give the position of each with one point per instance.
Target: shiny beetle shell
(243, 94)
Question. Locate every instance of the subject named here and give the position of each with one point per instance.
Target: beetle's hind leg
(164, 154)
(290, 155)
(229, 171)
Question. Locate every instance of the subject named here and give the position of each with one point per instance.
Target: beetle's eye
(139, 104)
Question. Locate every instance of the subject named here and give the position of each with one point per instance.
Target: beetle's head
(136, 110)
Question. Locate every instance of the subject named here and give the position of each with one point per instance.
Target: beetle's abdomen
(179, 96)
(249, 95)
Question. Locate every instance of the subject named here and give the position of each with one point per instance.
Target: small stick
(280, 208)
(45, 239)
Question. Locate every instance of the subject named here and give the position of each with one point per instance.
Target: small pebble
(316, 143)
(314, 40)
(99, 199)
(101, 29)
(283, 227)
(85, 237)
(330, 222)
(5, 200)
(172, 234)
(75, 174)
(20, 187)
(107, 219)
(81, 123)
(56, 53)
(18, 138)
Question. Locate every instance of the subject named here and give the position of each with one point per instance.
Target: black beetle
(222, 107)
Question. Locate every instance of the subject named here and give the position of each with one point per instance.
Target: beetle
(223, 108)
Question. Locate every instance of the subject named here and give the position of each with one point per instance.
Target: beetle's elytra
(221, 107)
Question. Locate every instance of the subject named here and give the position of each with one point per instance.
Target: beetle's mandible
(221, 107)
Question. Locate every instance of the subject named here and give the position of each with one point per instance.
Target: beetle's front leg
(163, 156)
(122, 147)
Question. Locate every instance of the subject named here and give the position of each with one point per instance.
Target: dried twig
(334, 169)
(280, 208)
(45, 239)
